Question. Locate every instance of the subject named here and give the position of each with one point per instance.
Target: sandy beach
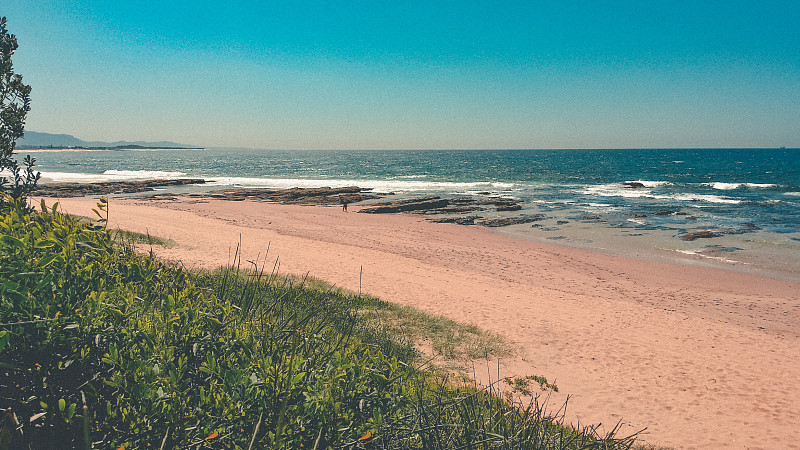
(702, 358)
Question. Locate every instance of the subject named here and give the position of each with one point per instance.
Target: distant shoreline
(38, 149)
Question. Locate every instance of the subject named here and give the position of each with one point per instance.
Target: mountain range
(33, 139)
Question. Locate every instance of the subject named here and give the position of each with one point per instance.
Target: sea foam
(108, 175)
(730, 186)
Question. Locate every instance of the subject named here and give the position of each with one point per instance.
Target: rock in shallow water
(700, 234)
(66, 190)
(296, 196)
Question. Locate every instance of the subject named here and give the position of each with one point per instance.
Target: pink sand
(703, 358)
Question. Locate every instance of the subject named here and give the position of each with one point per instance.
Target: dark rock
(591, 217)
(65, 190)
(437, 205)
(633, 184)
(506, 221)
(664, 212)
(455, 209)
(461, 220)
(639, 216)
(562, 222)
(296, 196)
(503, 204)
(462, 201)
(700, 234)
(424, 204)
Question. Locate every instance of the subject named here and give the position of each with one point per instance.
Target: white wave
(143, 173)
(376, 185)
(730, 186)
(723, 186)
(699, 254)
(615, 190)
(793, 194)
(108, 175)
(702, 198)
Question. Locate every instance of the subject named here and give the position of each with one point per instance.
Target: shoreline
(707, 254)
(101, 149)
(704, 358)
(748, 250)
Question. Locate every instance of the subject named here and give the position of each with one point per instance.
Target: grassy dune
(104, 347)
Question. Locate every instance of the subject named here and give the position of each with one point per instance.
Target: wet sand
(703, 358)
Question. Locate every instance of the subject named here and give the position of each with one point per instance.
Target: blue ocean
(660, 194)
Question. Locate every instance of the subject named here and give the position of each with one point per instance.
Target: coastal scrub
(105, 347)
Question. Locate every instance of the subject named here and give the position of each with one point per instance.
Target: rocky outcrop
(499, 222)
(748, 227)
(458, 205)
(438, 205)
(295, 196)
(506, 221)
(502, 203)
(65, 190)
(700, 234)
(410, 205)
(633, 184)
(460, 220)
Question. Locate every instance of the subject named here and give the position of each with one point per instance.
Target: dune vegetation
(102, 346)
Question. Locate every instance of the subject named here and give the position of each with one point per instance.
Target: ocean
(628, 202)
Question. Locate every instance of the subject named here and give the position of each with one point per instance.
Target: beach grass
(132, 237)
(448, 343)
(127, 236)
(106, 347)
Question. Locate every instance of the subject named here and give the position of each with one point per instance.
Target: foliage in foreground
(106, 348)
(15, 103)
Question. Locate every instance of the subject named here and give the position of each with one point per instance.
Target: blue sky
(414, 75)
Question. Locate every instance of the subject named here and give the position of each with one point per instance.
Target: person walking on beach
(344, 205)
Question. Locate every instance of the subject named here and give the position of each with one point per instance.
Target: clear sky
(414, 75)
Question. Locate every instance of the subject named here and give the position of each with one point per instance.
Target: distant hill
(33, 139)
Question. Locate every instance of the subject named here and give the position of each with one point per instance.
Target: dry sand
(703, 358)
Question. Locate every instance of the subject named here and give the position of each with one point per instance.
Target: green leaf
(5, 336)
(46, 243)
(62, 404)
(12, 241)
(9, 285)
(47, 260)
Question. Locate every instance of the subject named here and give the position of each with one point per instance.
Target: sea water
(749, 197)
